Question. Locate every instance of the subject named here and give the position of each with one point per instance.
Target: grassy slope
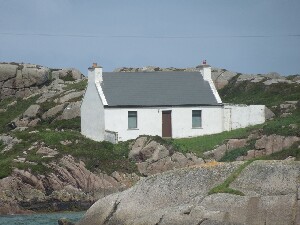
(108, 158)
(98, 156)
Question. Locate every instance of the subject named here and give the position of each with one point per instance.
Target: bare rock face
(69, 97)
(221, 77)
(63, 73)
(69, 182)
(53, 111)
(275, 143)
(268, 114)
(21, 80)
(153, 157)
(8, 142)
(181, 197)
(32, 111)
(71, 111)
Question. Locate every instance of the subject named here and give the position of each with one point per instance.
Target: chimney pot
(94, 65)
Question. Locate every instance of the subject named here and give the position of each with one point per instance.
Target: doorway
(166, 124)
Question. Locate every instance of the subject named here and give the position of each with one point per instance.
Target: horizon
(251, 37)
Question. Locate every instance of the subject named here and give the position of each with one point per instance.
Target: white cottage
(119, 106)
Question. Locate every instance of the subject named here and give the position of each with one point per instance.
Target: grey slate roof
(156, 89)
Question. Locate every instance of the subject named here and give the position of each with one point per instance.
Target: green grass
(72, 124)
(224, 187)
(13, 112)
(281, 126)
(199, 145)
(232, 155)
(78, 86)
(5, 102)
(1, 145)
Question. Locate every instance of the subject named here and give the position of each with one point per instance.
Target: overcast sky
(249, 36)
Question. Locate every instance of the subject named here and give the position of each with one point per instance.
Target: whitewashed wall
(92, 114)
(150, 121)
(239, 116)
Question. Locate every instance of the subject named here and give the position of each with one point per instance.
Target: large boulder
(156, 196)
(181, 197)
(275, 143)
(7, 71)
(21, 80)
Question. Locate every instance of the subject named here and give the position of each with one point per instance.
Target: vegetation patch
(232, 155)
(1, 145)
(68, 77)
(246, 92)
(284, 126)
(13, 112)
(98, 156)
(201, 144)
(224, 187)
(78, 86)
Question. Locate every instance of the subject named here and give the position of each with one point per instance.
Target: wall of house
(92, 114)
(149, 121)
(239, 116)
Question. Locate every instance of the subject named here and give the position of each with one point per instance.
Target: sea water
(40, 218)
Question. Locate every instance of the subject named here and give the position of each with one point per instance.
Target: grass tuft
(224, 187)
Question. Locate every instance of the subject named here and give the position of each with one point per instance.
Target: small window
(132, 119)
(196, 118)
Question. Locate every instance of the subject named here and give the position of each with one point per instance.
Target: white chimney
(205, 70)
(95, 73)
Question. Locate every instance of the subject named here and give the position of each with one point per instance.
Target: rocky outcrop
(266, 145)
(67, 74)
(8, 142)
(181, 197)
(152, 157)
(72, 110)
(221, 77)
(221, 150)
(21, 80)
(69, 183)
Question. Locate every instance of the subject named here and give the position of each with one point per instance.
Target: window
(196, 118)
(132, 119)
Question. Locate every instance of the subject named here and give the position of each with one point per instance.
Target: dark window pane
(196, 118)
(132, 119)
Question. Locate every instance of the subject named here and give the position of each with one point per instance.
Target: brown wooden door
(166, 124)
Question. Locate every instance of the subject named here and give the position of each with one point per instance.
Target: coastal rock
(64, 221)
(181, 197)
